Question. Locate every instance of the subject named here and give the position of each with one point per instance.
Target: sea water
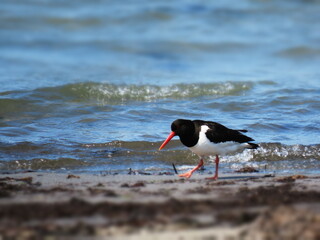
(93, 86)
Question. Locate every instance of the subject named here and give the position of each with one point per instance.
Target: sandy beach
(35, 205)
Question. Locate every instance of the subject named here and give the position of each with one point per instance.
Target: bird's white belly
(205, 148)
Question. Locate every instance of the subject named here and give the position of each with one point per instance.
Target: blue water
(93, 86)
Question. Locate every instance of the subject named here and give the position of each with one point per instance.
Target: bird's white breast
(205, 148)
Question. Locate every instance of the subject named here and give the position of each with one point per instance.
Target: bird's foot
(215, 177)
(186, 175)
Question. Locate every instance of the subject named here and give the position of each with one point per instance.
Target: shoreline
(37, 204)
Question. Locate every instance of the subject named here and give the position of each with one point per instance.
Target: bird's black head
(185, 129)
(182, 127)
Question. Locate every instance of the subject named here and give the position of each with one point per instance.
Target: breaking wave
(145, 155)
(123, 93)
(107, 93)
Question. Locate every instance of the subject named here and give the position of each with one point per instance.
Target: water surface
(94, 86)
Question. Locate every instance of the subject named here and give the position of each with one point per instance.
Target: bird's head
(180, 127)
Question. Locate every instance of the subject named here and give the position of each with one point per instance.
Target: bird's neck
(189, 139)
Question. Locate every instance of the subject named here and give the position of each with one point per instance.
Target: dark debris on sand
(269, 208)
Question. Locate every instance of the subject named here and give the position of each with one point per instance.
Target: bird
(206, 138)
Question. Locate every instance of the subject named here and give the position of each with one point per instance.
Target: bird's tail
(253, 146)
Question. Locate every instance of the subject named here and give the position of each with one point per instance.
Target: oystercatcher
(206, 138)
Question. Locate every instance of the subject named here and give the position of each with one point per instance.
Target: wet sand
(35, 205)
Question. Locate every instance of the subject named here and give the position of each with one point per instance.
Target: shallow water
(94, 86)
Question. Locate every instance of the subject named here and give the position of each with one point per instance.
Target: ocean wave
(143, 155)
(268, 152)
(107, 93)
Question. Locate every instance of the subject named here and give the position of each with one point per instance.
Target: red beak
(171, 135)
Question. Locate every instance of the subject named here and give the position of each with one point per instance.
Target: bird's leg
(215, 177)
(189, 174)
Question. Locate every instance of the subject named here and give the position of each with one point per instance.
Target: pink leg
(189, 174)
(215, 177)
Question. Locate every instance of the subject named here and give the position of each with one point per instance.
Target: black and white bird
(206, 138)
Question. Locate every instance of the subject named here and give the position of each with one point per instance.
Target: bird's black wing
(218, 133)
